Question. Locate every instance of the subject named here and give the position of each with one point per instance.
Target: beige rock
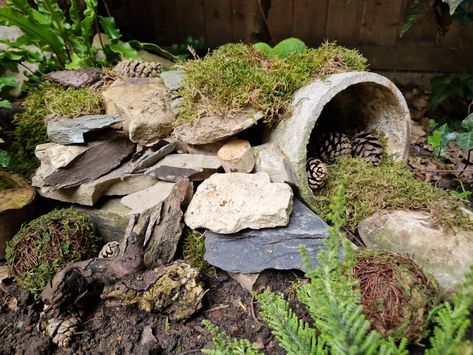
(140, 201)
(445, 255)
(270, 160)
(144, 105)
(115, 183)
(237, 156)
(228, 203)
(213, 128)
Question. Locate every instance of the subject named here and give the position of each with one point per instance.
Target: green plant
(193, 250)
(448, 86)
(463, 194)
(47, 244)
(283, 49)
(5, 83)
(388, 186)
(67, 37)
(237, 76)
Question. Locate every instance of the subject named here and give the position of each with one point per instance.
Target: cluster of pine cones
(325, 147)
(137, 69)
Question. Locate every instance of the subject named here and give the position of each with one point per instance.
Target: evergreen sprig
(225, 345)
(294, 335)
(452, 322)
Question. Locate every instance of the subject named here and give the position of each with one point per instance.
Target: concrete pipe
(345, 102)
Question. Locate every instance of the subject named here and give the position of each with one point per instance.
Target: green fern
(224, 345)
(452, 322)
(294, 335)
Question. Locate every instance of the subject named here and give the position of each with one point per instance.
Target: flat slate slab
(72, 130)
(252, 251)
(92, 164)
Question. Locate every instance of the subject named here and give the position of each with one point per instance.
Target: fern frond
(225, 345)
(294, 335)
(452, 321)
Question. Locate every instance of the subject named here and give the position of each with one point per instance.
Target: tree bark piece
(16, 198)
(92, 164)
(237, 157)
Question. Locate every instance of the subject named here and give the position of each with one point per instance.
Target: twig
(3, 330)
(217, 308)
(252, 311)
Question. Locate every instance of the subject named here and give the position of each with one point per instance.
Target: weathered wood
(380, 22)
(237, 156)
(418, 58)
(165, 229)
(16, 198)
(191, 18)
(343, 21)
(310, 20)
(280, 19)
(92, 164)
(218, 22)
(248, 21)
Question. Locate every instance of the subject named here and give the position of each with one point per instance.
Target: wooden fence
(373, 26)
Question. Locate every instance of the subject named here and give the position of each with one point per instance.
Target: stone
(270, 160)
(212, 128)
(172, 79)
(72, 130)
(116, 183)
(444, 254)
(110, 218)
(144, 105)
(379, 106)
(54, 157)
(149, 157)
(77, 78)
(237, 156)
(253, 251)
(142, 200)
(92, 164)
(193, 166)
(228, 203)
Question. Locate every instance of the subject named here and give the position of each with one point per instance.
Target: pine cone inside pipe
(367, 146)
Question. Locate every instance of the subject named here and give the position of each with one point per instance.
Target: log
(237, 156)
(16, 206)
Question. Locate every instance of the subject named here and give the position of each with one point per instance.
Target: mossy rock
(47, 244)
(390, 186)
(238, 76)
(46, 101)
(396, 295)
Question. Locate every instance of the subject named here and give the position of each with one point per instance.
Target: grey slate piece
(253, 251)
(172, 79)
(72, 130)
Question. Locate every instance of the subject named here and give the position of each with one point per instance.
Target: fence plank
(218, 22)
(191, 18)
(380, 22)
(343, 21)
(310, 20)
(280, 19)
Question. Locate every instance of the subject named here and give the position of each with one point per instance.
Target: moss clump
(396, 295)
(47, 244)
(390, 186)
(193, 250)
(237, 76)
(48, 100)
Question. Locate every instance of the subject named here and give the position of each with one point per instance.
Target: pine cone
(327, 146)
(367, 146)
(137, 69)
(109, 250)
(316, 173)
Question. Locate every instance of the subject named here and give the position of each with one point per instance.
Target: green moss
(47, 244)
(237, 76)
(48, 100)
(193, 250)
(390, 186)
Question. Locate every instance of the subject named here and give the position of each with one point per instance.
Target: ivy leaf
(7, 81)
(465, 140)
(153, 48)
(124, 49)
(467, 123)
(5, 104)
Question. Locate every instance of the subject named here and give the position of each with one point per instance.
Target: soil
(117, 329)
